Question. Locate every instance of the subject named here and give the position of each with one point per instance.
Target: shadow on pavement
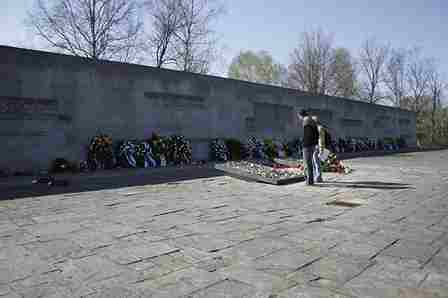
(102, 183)
(366, 184)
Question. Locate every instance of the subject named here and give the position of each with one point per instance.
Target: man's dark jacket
(310, 132)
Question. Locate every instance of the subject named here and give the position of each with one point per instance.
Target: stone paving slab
(216, 236)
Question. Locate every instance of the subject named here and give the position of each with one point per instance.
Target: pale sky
(275, 26)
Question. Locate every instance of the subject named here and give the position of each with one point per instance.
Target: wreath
(270, 149)
(254, 148)
(286, 149)
(143, 156)
(219, 151)
(159, 147)
(126, 153)
(179, 150)
(100, 153)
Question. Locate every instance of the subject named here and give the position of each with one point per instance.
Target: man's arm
(321, 138)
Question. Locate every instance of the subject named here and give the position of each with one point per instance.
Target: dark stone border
(250, 177)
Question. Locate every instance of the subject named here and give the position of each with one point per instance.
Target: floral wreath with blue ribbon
(144, 157)
(127, 154)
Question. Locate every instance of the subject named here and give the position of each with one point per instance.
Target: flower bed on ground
(331, 165)
(265, 170)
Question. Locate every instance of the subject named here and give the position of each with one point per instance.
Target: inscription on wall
(173, 100)
(22, 108)
(27, 105)
(12, 134)
(32, 117)
(185, 112)
(351, 122)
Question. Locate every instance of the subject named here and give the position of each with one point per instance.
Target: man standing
(310, 141)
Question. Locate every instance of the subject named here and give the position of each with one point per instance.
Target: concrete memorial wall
(51, 105)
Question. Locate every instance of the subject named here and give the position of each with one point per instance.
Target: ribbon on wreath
(144, 153)
(127, 151)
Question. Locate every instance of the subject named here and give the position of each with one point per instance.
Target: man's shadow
(366, 184)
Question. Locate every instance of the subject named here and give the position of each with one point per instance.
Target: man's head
(315, 119)
(302, 113)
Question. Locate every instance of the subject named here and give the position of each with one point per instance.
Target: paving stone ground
(223, 237)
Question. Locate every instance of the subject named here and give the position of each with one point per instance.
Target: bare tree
(166, 21)
(195, 42)
(395, 77)
(436, 87)
(311, 68)
(97, 29)
(418, 77)
(372, 60)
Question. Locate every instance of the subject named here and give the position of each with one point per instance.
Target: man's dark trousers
(308, 163)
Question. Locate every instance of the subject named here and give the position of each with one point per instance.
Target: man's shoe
(319, 180)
